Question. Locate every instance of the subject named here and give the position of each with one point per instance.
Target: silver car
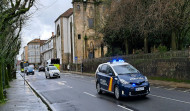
(52, 71)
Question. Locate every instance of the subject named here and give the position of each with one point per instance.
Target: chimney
(52, 34)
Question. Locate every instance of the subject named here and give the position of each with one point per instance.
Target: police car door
(109, 78)
(102, 77)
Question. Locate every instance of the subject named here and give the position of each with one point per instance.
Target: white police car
(121, 79)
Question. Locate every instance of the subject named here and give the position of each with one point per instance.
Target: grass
(169, 79)
(7, 86)
(3, 101)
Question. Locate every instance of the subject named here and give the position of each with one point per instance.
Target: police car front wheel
(116, 92)
(98, 88)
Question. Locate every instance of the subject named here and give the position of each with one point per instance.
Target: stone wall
(174, 65)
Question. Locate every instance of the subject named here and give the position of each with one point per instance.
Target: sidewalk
(152, 82)
(22, 98)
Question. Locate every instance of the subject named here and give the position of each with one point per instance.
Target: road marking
(169, 99)
(187, 90)
(124, 108)
(64, 84)
(89, 94)
(69, 86)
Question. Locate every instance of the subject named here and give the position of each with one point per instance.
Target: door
(102, 77)
(109, 78)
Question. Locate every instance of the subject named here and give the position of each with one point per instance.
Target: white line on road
(89, 94)
(69, 86)
(64, 84)
(169, 99)
(187, 90)
(124, 108)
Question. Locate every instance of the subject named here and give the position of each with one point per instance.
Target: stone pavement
(22, 98)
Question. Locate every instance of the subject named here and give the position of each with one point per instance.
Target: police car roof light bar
(119, 60)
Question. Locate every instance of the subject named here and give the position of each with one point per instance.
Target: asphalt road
(74, 92)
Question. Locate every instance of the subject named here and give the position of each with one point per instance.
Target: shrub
(162, 48)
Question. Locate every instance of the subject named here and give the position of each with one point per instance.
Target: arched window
(78, 7)
(58, 30)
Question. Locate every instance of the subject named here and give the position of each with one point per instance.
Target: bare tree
(13, 14)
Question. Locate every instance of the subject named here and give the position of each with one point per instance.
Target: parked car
(25, 69)
(41, 68)
(52, 71)
(30, 70)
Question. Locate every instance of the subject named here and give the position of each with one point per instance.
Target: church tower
(87, 40)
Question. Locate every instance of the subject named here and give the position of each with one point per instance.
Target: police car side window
(103, 68)
(109, 70)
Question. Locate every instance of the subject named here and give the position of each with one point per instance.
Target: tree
(13, 14)
(152, 22)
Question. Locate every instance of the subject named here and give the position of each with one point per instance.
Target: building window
(91, 23)
(58, 30)
(79, 36)
(78, 7)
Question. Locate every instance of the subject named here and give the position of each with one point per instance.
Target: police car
(121, 79)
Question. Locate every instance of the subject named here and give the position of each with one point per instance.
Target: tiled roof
(37, 41)
(66, 14)
(34, 41)
(42, 42)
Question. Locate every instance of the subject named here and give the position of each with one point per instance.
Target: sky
(41, 24)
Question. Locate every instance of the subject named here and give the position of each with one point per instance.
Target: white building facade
(34, 52)
(68, 35)
(65, 37)
(48, 50)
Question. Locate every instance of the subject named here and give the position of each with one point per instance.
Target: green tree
(151, 22)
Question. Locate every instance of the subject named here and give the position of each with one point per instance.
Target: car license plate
(139, 89)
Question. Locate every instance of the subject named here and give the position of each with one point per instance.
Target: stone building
(48, 49)
(34, 51)
(88, 15)
(65, 38)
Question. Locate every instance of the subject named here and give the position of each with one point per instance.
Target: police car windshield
(53, 68)
(125, 69)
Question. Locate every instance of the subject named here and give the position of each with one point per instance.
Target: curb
(44, 100)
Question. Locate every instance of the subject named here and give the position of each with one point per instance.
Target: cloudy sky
(41, 24)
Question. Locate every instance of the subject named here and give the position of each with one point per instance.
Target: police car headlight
(123, 81)
(146, 79)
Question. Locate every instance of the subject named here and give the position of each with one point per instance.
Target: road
(74, 92)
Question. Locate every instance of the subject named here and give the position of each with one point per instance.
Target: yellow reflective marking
(110, 84)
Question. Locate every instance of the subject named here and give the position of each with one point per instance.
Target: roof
(34, 41)
(66, 14)
(42, 42)
(37, 41)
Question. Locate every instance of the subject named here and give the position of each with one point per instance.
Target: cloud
(41, 24)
